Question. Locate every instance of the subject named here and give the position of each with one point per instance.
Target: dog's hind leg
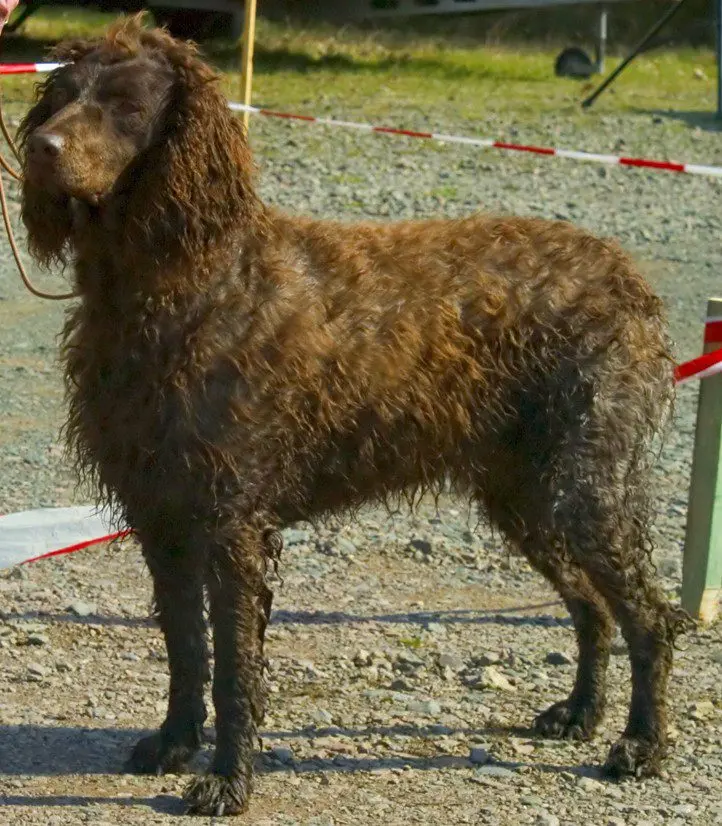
(240, 606)
(604, 521)
(178, 593)
(649, 625)
(576, 717)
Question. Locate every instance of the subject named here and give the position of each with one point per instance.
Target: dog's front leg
(240, 604)
(178, 590)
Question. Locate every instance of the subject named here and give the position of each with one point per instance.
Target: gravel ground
(408, 653)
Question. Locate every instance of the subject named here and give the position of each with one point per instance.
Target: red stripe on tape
(713, 332)
(409, 133)
(286, 115)
(17, 68)
(80, 546)
(537, 150)
(645, 164)
(691, 368)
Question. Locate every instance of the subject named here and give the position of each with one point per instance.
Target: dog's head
(133, 116)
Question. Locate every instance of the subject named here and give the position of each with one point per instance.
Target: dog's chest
(133, 394)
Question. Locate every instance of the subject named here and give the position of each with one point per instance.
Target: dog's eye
(61, 96)
(126, 107)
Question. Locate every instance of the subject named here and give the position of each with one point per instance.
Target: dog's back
(466, 349)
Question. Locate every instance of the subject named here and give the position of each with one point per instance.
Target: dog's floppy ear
(196, 183)
(46, 217)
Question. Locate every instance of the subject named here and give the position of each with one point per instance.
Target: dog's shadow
(31, 750)
(34, 750)
(498, 616)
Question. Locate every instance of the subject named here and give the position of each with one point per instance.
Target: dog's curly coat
(231, 370)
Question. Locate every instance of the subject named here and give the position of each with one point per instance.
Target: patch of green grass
(417, 80)
(412, 642)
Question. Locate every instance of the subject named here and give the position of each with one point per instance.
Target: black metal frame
(645, 43)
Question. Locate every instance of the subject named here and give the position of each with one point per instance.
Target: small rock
(422, 545)
(702, 710)
(699, 74)
(321, 716)
(488, 677)
(430, 707)
(479, 755)
(36, 672)
(494, 771)
(282, 753)
(436, 628)
(37, 639)
(409, 658)
(490, 658)
(452, 661)
(82, 609)
(587, 784)
(558, 658)
(293, 536)
(362, 658)
(544, 818)
(131, 656)
(344, 546)
(520, 747)
(684, 809)
(616, 821)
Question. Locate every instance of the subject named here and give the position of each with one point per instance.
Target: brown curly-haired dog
(231, 370)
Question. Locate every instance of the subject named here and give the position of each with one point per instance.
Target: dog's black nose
(45, 145)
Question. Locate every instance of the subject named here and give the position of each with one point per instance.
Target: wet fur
(231, 370)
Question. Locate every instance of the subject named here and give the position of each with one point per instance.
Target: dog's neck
(119, 257)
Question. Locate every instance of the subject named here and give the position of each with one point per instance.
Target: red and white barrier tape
(709, 363)
(39, 534)
(27, 68)
(490, 143)
(484, 143)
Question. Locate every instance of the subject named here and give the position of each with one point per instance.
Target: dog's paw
(634, 757)
(568, 720)
(215, 795)
(158, 754)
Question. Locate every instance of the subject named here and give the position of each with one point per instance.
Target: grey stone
(701, 710)
(489, 678)
(437, 629)
(430, 707)
(588, 784)
(479, 755)
(295, 536)
(362, 658)
(558, 658)
(345, 546)
(494, 771)
(544, 818)
(282, 753)
(410, 658)
(322, 717)
(684, 809)
(82, 609)
(452, 661)
(489, 658)
(422, 545)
